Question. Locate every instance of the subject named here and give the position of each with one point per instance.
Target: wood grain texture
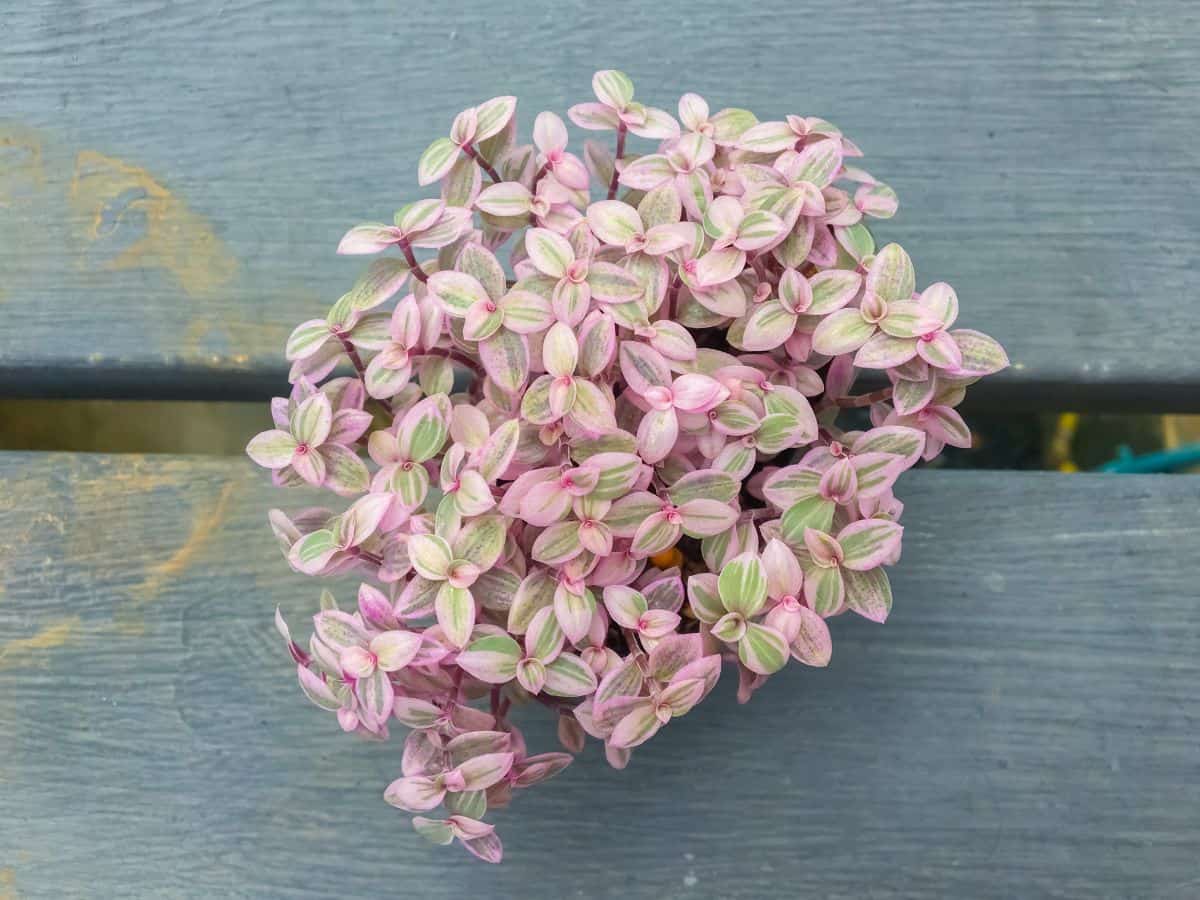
(1024, 726)
(174, 177)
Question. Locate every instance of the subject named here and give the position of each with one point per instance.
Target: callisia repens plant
(580, 422)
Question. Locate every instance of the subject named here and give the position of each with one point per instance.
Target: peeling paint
(124, 206)
(128, 614)
(22, 167)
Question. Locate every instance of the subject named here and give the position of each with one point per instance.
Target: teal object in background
(1164, 461)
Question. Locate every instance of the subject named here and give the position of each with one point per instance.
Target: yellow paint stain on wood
(159, 576)
(107, 194)
(22, 167)
(8, 883)
(24, 651)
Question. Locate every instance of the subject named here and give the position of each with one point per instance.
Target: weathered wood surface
(1024, 726)
(174, 177)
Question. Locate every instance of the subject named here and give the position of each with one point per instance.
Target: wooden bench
(173, 180)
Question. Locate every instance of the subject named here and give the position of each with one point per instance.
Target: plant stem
(865, 399)
(483, 163)
(612, 184)
(455, 356)
(418, 272)
(356, 361)
(366, 556)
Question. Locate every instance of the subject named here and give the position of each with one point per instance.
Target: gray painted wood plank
(1024, 726)
(174, 177)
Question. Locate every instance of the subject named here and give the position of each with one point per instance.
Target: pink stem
(418, 272)
(483, 163)
(612, 184)
(865, 399)
(455, 356)
(356, 361)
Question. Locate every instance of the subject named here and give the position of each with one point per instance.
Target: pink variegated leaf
(610, 283)
(704, 598)
(812, 644)
(548, 251)
(981, 355)
(824, 589)
(842, 332)
(767, 137)
(876, 473)
(784, 576)
(900, 440)
(486, 847)
(614, 222)
(372, 237)
(437, 160)
(458, 292)
(647, 172)
(455, 608)
(415, 793)
(592, 411)
(769, 326)
(762, 649)
(883, 351)
(436, 831)
(613, 88)
(549, 133)
(941, 351)
(505, 358)
(594, 116)
(832, 290)
(575, 611)
(416, 713)
(912, 396)
(658, 124)
(694, 392)
(492, 659)
(819, 162)
(742, 585)
(507, 199)
(656, 434)
(637, 726)
(703, 517)
(544, 639)
(790, 485)
(656, 533)
(869, 543)
(908, 319)
(868, 593)
(876, 200)
(625, 605)
(453, 223)
(569, 676)
(272, 449)
(945, 424)
(558, 544)
(542, 767)
(375, 694)
(493, 115)
(316, 690)
(719, 266)
(892, 276)
(481, 772)
(560, 350)
(643, 367)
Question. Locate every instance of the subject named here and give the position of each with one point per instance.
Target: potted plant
(594, 477)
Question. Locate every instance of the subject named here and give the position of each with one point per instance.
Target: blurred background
(1063, 441)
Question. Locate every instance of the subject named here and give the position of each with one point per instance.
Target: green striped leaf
(742, 585)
